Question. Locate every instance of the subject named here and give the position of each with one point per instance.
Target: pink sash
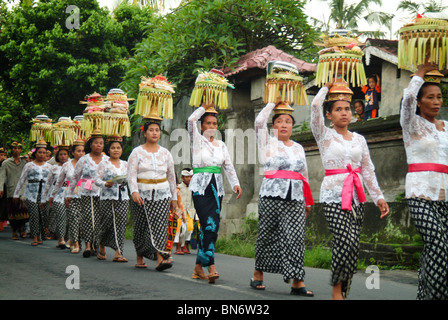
(418, 167)
(284, 174)
(87, 185)
(347, 188)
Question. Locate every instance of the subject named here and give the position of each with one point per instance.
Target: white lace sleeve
(171, 176)
(100, 175)
(261, 130)
(368, 174)
(229, 169)
(195, 135)
(408, 107)
(77, 174)
(60, 181)
(318, 127)
(48, 184)
(22, 180)
(132, 171)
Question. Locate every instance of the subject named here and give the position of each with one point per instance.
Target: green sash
(213, 169)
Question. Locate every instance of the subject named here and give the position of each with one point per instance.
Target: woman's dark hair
(109, 144)
(73, 148)
(150, 122)
(328, 106)
(56, 157)
(88, 146)
(420, 93)
(280, 114)
(205, 115)
(35, 151)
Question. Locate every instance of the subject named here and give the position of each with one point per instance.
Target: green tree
(46, 67)
(201, 34)
(416, 7)
(347, 16)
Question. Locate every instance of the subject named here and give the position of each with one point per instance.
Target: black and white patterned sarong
(90, 218)
(112, 229)
(59, 222)
(37, 226)
(345, 227)
(431, 221)
(279, 247)
(74, 215)
(151, 228)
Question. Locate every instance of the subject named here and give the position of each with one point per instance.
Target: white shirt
(206, 154)
(107, 171)
(59, 191)
(33, 172)
(155, 166)
(85, 169)
(423, 144)
(275, 155)
(337, 153)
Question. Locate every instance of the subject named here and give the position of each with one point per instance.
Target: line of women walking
(95, 187)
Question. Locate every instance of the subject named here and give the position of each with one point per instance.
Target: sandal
(212, 277)
(120, 259)
(163, 266)
(34, 243)
(302, 292)
(75, 250)
(257, 284)
(101, 256)
(15, 238)
(141, 266)
(198, 276)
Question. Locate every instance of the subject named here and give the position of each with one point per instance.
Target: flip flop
(257, 284)
(86, 253)
(120, 259)
(34, 243)
(197, 276)
(141, 266)
(212, 277)
(303, 291)
(101, 256)
(163, 266)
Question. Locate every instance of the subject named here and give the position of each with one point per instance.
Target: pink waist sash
(87, 185)
(284, 174)
(347, 188)
(418, 167)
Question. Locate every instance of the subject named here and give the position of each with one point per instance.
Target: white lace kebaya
(337, 153)
(106, 171)
(83, 183)
(423, 144)
(205, 154)
(35, 176)
(50, 184)
(60, 190)
(275, 155)
(152, 166)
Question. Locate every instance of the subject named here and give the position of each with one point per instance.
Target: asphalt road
(40, 273)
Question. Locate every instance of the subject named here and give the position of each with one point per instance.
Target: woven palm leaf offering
(283, 81)
(155, 98)
(340, 58)
(424, 40)
(75, 125)
(93, 114)
(115, 118)
(63, 133)
(41, 128)
(210, 89)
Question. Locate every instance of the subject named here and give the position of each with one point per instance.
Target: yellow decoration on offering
(155, 98)
(63, 133)
(283, 81)
(341, 58)
(41, 128)
(210, 88)
(423, 39)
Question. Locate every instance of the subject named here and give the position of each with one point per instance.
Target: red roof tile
(260, 58)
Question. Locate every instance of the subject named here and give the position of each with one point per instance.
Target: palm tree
(416, 7)
(347, 16)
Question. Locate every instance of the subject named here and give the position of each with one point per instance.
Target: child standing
(371, 95)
